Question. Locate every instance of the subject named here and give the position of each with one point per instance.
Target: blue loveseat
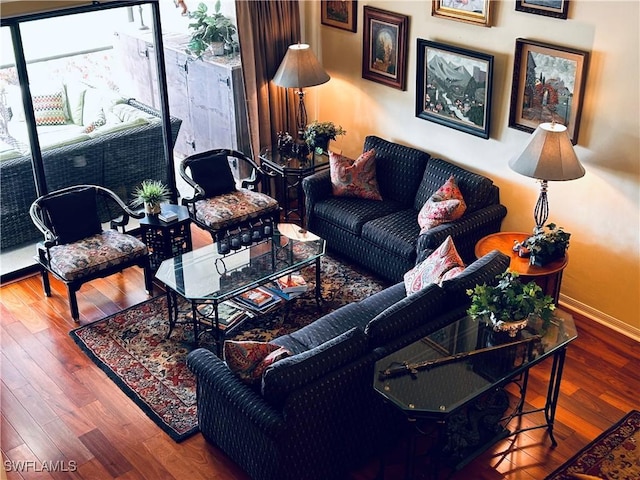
(384, 236)
(315, 415)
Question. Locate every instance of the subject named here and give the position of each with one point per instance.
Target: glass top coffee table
(207, 278)
(441, 373)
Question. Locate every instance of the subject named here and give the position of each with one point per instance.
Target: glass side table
(289, 172)
(436, 377)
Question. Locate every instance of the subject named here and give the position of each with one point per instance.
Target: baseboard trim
(600, 317)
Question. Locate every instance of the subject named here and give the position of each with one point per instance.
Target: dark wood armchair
(230, 207)
(76, 249)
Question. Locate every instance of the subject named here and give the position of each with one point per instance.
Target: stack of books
(229, 314)
(290, 286)
(259, 299)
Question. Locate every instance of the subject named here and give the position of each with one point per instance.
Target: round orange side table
(548, 277)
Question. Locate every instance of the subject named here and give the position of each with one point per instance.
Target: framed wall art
(548, 86)
(341, 14)
(384, 56)
(454, 87)
(548, 8)
(470, 11)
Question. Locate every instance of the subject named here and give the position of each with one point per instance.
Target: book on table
(293, 283)
(259, 299)
(229, 314)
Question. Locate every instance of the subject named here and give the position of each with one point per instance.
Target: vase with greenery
(317, 135)
(209, 30)
(151, 193)
(508, 305)
(545, 245)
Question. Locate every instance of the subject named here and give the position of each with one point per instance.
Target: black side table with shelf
(166, 239)
(289, 172)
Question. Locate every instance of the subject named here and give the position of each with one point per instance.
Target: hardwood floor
(64, 418)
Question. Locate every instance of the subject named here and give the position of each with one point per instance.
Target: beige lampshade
(300, 68)
(549, 155)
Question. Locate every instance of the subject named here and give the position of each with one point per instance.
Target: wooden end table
(548, 277)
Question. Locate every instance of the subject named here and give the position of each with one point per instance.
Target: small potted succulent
(508, 305)
(318, 134)
(214, 32)
(545, 245)
(151, 193)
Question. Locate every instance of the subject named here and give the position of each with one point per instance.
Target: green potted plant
(545, 245)
(151, 193)
(211, 30)
(318, 134)
(508, 305)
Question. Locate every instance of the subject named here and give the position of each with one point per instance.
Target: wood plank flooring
(64, 419)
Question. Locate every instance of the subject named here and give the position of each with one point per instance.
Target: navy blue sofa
(384, 236)
(316, 416)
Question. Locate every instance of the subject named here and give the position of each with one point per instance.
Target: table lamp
(299, 69)
(549, 156)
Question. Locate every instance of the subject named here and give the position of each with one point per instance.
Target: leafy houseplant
(214, 29)
(151, 193)
(545, 246)
(318, 134)
(507, 305)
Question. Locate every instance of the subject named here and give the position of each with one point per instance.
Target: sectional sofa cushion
(292, 373)
(395, 232)
(476, 189)
(406, 315)
(399, 169)
(351, 214)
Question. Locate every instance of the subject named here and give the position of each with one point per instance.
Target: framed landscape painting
(454, 87)
(548, 86)
(340, 14)
(548, 8)
(384, 55)
(470, 11)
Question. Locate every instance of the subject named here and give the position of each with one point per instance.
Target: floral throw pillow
(445, 205)
(432, 269)
(249, 359)
(354, 178)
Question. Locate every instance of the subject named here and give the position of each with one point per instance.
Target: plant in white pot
(151, 193)
(508, 305)
(215, 31)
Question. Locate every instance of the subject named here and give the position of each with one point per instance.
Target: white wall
(600, 210)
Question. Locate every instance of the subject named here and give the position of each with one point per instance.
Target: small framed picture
(341, 14)
(470, 11)
(548, 86)
(548, 8)
(454, 87)
(384, 56)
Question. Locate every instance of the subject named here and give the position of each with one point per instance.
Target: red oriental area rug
(132, 347)
(614, 455)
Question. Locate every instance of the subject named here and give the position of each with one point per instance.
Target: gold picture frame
(342, 14)
(477, 12)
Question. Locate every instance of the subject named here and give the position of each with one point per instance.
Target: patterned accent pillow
(49, 109)
(99, 121)
(453, 273)
(445, 205)
(354, 178)
(249, 359)
(433, 268)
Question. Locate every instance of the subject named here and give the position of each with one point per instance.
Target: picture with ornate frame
(548, 8)
(454, 87)
(477, 12)
(341, 14)
(548, 85)
(384, 56)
